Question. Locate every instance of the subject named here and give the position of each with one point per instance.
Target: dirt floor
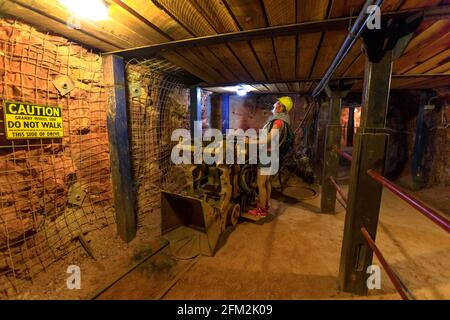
(439, 196)
(294, 254)
(112, 258)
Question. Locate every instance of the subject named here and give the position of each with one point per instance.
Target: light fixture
(241, 91)
(94, 10)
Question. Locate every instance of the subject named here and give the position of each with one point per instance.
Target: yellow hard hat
(287, 103)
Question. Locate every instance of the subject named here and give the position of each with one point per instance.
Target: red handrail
(343, 204)
(338, 189)
(392, 276)
(420, 206)
(343, 154)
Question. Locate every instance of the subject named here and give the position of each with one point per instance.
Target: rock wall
(253, 111)
(443, 137)
(38, 221)
(402, 126)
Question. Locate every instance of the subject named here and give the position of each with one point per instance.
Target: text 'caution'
(31, 121)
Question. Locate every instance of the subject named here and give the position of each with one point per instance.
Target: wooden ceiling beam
(398, 83)
(313, 79)
(308, 44)
(165, 23)
(251, 15)
(48, 21)
(195, 19)
(246, 35)
(431, 13)
(420, 55)
(431, 63)
(220, 18)
(282, 12)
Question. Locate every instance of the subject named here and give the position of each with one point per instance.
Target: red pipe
(392, 276)
(420, 206)
(343, 154)
(343, 204)
(338, 189)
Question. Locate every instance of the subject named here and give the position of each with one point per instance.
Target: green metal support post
(216, 111)
(382, 47)
(364, 195)
(351, 125)
(321, 120)
(332, 140)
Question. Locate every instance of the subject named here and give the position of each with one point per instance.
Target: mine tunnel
(224, 149)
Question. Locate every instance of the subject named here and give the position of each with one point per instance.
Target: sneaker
(258, 212)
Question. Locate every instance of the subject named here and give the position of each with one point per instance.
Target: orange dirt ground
(293, 255)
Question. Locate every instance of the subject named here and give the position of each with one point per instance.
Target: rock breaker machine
(214, 197)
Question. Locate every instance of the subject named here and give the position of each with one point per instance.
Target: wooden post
(382, 47)
(351, 125)
(320, 131)
(220, 112)
(196, 111)
(332, 140)
(216, 111)
(117, 122)
(420, 144)
(225, 112)
(364, 195)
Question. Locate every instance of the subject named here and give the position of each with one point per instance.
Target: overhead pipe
(349, 41)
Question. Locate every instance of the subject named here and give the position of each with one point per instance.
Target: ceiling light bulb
(241, 92)
(94, 10)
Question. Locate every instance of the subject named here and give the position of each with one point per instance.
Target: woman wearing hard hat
(281, 121)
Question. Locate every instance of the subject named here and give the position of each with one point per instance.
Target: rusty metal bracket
(339, 88)
(76, 195)
(64, 84)
(135, 89)
(86, 246)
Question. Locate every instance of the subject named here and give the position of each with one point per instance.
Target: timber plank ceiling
(291, 63)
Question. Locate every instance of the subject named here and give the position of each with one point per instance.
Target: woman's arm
(277, 124)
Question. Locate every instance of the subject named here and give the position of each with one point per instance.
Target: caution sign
(31, 121)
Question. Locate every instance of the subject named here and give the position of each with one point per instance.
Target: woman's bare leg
(262, 190)
(269, 190)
